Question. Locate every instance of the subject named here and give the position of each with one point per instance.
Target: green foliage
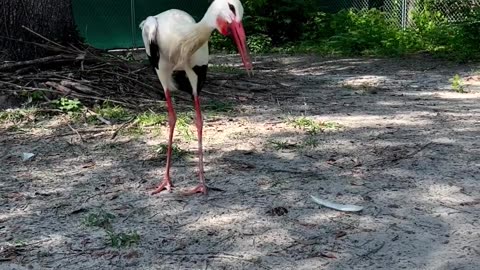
(147, 119)
(302, 26)
(177, 152)
(103, 219)
(310, 142)
(100, 219)
(183, 126)
(457, 84)
(281, 145)
(360, 32)
(218, 107)
(311, 126)
(122, 239)
(112, 112)
(68, 105)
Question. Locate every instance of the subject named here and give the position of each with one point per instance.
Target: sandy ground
(404, 146)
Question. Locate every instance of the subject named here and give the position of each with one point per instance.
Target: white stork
(177, 47)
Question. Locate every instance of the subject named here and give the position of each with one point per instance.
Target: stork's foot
(199, 189)
(166, 184)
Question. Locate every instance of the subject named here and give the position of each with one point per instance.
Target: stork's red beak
(238, 35)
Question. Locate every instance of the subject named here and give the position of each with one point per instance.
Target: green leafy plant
(177, 152)
(112, 112)
(100, 219)
(281, 145)
(183, 126)
(457, 84)
(151, 119)
(68, 105)
(311, 126)
(122, 239)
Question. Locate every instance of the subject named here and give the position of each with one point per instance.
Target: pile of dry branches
(87, 74)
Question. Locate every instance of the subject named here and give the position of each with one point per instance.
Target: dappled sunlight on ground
(386, 134)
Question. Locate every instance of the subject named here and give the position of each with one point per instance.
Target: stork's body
(177, 48)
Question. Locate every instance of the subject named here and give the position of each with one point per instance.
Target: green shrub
(301, 26)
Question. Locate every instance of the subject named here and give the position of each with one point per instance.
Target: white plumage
(167, 30)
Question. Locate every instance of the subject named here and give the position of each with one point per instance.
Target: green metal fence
(113, 24)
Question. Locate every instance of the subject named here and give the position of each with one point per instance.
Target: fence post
(404, 14)
(132, 21)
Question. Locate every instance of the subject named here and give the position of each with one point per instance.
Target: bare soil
(404, 145)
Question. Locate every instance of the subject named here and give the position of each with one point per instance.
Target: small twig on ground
(74, 130)
(99, 117)
(209, 254)
(114, 135)
(368, 253)
(81, 131)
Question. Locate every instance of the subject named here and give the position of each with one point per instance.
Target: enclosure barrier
(112, 24)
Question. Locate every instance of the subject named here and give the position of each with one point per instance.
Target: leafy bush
(300, 26)
(359, 32)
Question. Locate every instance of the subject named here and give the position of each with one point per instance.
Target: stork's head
(228, 21)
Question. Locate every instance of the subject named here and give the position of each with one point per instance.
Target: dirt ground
(403, 145)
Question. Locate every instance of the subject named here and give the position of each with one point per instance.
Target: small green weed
(218, 107)
(457, 84)
(183, 126)
(20, 243)
(151, 119)
(177, 152)
(311, 126)
(112, 112)
(100, 219)
(68, 105)
(281, 145)
(136, 132)
(310, 142)
(122, 239)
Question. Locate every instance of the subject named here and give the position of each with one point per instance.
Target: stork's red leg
(201, 188)
(172, 119)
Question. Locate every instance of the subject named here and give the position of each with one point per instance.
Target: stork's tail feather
(149, 33)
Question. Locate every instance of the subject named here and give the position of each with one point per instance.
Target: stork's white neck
(210, 18)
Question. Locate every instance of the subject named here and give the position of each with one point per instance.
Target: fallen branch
(43, 60)
(64, 90)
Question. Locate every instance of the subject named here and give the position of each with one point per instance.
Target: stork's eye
(232, 8)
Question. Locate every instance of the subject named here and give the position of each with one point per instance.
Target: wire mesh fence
(401, 12)
(110, 24)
